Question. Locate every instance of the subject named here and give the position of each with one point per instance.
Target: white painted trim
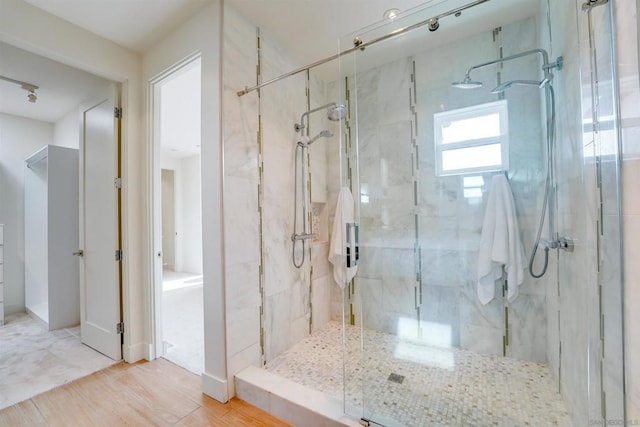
(135, 352)
(215, 387)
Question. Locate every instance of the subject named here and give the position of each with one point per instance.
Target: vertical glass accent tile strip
(307, 93)
(260, 200)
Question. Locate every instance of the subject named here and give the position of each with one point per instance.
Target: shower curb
(290, 401)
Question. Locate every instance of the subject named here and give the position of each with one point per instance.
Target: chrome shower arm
(546, 66)
(300, 126)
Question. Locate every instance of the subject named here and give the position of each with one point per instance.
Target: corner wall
(271, 305)
(201, 35)
(19, 139)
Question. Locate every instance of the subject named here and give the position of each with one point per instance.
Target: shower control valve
(566, 244)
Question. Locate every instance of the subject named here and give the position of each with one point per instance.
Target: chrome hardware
(79, 253)
(353, 248)
(357, 42)
(590, 4)
(566, 244)
(304, 236)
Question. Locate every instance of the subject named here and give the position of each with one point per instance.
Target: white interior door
(100, 271)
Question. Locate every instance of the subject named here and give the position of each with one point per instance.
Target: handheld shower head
(323, 134)
(337, 112)
(467, 83)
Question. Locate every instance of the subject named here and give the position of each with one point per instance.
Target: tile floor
(34, 360)
(408, 384)
(182, 320)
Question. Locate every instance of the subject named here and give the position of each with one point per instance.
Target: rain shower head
(337, 112)
(506, 85)
(467, 83)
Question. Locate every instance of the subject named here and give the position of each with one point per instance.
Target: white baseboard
(215, 387)
(136, 352)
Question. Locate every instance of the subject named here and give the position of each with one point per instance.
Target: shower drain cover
(395, 378)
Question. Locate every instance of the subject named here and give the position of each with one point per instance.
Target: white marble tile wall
(241, 180)
(450, 225)
(287, 301)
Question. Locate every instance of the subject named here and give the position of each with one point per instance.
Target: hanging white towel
(338, 249)
(500, 243)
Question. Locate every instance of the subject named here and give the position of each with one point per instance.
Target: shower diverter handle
(353, 244)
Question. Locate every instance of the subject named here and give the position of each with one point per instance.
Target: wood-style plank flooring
(155, 393)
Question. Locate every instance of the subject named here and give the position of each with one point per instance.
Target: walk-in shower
(409, 341)
(548, 201)
(335, 113)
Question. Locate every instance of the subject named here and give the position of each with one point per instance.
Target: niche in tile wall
(319, 222)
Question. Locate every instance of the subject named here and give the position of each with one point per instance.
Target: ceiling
(134, 24)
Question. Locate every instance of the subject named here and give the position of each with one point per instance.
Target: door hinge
(118, 254)
(117, 182)
(120, 328)
(117, 112)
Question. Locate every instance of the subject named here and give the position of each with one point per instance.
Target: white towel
(500, 243)
(338, 249)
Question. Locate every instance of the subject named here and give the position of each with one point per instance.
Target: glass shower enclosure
(442, 174)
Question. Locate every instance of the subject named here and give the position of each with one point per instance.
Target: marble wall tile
(373, 303)
(277, 324)
(527, 328)
(241, 221)
(472, 312)
(441, 306)
(319, 259)
(242, 288)
(481, 339)
(250, 356)
(321, 302)
(243, 333)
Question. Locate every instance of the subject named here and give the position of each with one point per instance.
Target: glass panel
(484, 157)
(485, 126)
(424, 345)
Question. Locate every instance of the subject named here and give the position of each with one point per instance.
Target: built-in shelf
(319, 222)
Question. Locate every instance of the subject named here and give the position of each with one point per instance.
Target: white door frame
(155, 220)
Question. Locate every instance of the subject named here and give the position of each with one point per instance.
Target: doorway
(177, 234)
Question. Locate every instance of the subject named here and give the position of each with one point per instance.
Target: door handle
(79, 253)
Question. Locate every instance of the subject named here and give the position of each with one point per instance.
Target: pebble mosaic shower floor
(409, 384)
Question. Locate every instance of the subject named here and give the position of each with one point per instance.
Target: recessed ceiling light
(391, 14)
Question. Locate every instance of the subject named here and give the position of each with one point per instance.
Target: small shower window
(472, 139)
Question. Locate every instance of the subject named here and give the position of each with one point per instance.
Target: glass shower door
(422, 347)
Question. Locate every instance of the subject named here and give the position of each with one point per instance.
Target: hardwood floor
(146, 393)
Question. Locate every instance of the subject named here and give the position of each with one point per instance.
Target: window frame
(501, 108)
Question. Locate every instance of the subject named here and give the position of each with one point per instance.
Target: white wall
(19, 138)
(66, 131)
(201, 34)
(57, 39)
(167, 178)
(188, 211)
(189, 242)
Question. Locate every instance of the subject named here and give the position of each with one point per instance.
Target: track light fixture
(32, 96)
